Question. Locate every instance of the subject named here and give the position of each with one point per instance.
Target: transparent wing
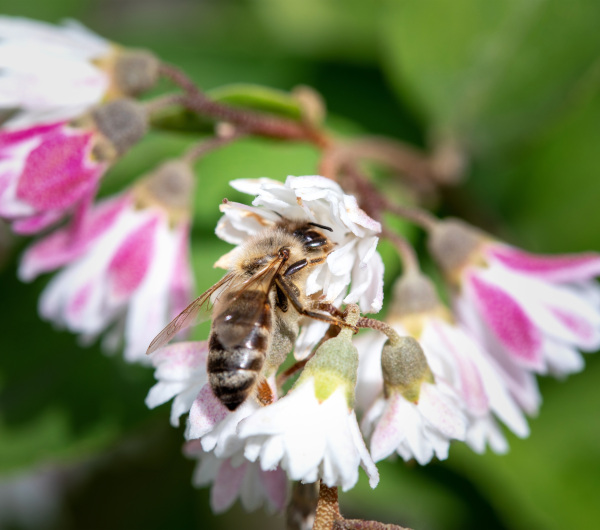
(198, 311)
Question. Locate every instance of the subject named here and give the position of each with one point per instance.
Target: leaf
(491, 74)
(258, 97)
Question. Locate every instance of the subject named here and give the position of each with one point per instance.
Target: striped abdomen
(238, 345)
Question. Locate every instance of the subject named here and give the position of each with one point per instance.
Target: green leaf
(491, 74)
(258, 97)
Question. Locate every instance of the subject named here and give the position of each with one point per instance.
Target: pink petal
(227, 486)
(9, 139)
(65, 245)
(79, 301)
(560, 268)
(182, 354)
(35, 223)
(509, 323)
(131, 261)
(585, 331)
(57, 173)
(275, 485)
(206, 412)
(390, 430)
(182, 281)
(471, 385)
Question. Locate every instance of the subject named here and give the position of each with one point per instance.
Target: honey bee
(256, 309)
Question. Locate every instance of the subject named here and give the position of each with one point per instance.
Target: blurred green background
(514, 82)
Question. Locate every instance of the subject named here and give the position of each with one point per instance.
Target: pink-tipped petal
(56, 173)
(561, 268)
(275, 485)
(10, 139)
(509, 323)
(206, 412)
(64, 245)
(36, 223)
(182, 281)
(131, 261)
(390, 431)
(227, 486)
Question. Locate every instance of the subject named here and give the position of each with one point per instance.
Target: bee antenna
(321, 226)
(277, 213)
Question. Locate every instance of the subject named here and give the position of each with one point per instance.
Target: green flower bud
(335, 364)
(404, 368)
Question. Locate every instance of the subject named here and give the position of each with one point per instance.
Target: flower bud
(335, 363)
(414, 301)
(169, 187)
(455, 244)
(122, 124)
(404, 368)
(134, 72)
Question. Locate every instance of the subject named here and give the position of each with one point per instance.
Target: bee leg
(293, 298)
(264, 394)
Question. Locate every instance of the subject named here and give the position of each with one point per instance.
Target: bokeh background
(514, 82)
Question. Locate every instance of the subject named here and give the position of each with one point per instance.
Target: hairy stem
(390, 332)
(328, 509)
(406, 251)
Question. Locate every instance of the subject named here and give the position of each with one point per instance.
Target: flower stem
(398, 156)
(206, 146)
(246, 120)
(390, 332)
(328, 509)
(405, 250)
(414, 214)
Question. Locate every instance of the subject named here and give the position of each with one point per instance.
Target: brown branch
(245, 120)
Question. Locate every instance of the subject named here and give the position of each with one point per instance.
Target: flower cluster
(304, 268)
(68, 95)
(433, 375)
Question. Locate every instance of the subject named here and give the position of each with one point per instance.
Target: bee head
(311, 238)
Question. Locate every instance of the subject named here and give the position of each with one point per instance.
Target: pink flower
(531, 313)
(46, 170)
(54, 73)
(126, 263)
(237, 478)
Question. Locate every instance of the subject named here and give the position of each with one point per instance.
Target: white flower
(418, 414)
(231, 479)
(54, 73)
(181, 374)
(415, 430)
(353, 272)
(310, 439)
(215, 426)
(354, 263)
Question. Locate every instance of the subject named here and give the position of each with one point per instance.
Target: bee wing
(264, 279)
(198, 311)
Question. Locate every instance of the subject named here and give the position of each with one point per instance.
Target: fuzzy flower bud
(455, 244)
(334, 366)
(404, 368)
